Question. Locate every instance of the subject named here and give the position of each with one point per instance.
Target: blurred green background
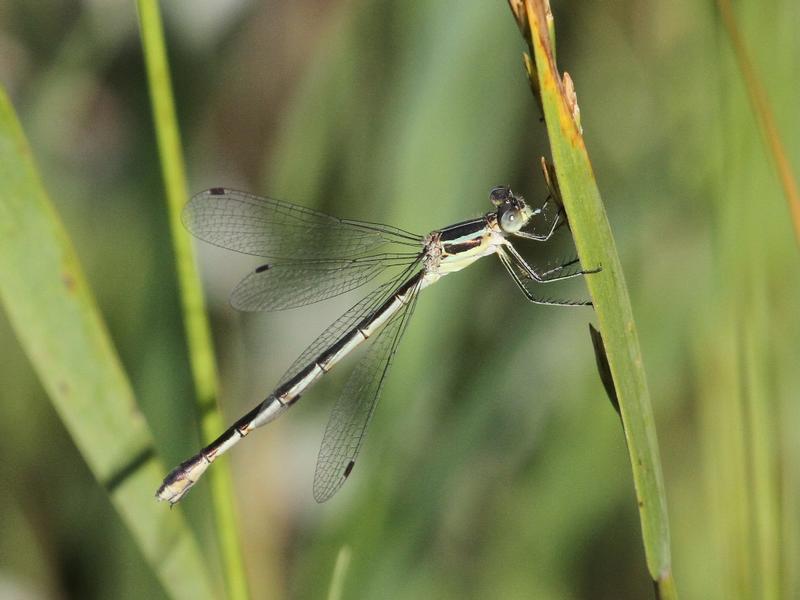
(495, 466)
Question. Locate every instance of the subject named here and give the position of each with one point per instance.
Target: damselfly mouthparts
(317, 257)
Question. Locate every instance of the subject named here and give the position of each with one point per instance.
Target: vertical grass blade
(763, 113)
(198, 332)
(339, 572)
(596, 247)
(54, 315)
(760, 408)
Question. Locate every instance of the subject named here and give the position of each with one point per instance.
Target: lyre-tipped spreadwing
(316, 257)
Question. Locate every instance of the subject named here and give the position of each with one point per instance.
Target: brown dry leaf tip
(518, 8)
(572, 100)
(533, 79)
(551, 181)
(543, 163)
(530, 68)
(551, 28)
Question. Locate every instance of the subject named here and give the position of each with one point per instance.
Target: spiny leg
(507, 263)
(546, 276)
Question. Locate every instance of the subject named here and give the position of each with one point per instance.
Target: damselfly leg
(558, 221)
(509, 264)
(555, 274)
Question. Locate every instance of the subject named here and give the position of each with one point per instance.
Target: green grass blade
(764, 115)
(55, 317)
(760, 409)
(596, 247)
(198, 332)
(339, 572)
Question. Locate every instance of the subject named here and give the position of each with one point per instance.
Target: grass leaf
(56, 320)
(339, 572)
(764, 115)
(198, 331)
(596, 248)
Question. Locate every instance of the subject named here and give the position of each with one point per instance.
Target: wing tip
(325, 490)
(321, 495)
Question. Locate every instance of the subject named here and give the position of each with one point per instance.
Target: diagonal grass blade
(55, 318)
(596, 247)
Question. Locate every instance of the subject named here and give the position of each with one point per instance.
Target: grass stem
(198, 332)
(596, 248)
(763, 113)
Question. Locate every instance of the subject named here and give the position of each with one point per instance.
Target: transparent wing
(282, 286)
(347, 426)
(366, 306)
(265, 227)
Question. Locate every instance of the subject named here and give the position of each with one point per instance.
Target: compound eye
(499, 194)
(511, 220)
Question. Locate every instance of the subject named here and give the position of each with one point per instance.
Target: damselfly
(316, 257)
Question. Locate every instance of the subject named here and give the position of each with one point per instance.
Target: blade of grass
(753, 282)
(764, 116)
(760, 410)
(339, 572)
(596, 247)
(198, 331)
(55, 317)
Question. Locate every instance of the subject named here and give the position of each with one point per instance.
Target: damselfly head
(512, 212)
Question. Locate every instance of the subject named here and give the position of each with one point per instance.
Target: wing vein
(352, 412)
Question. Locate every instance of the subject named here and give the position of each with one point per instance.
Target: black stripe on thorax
(460, 230)
(460, 247)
